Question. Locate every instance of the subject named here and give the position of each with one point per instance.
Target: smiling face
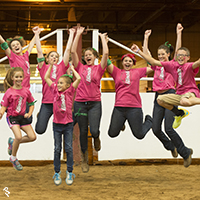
(182, 57)
(62, 85)
(16, 47)
(127, 63)
(89, 57)
(17, 79)
(163, 55)
(53, 57)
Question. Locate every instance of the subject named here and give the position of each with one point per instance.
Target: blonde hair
(8, 82)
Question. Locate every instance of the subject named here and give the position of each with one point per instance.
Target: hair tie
(70, 76)
(94, 49)
(167, 44)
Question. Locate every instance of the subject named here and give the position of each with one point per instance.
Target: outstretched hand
(104, 35)
(80, 29)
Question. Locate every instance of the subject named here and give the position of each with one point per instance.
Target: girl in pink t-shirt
(164, 83)
(127, 100)
(13, 50)
(63, 93)
(87, 105)
(58, 69)
(14, 102)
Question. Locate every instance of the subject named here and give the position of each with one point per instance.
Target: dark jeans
(46, 111)
(67, 131)
(88, 112)
(30, 119)
(160, 113)
(135, 120)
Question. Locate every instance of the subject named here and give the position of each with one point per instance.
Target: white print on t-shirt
(127, 80)
(162, 73)
(88, 77)
(19, 105)
(28, 67)
(179, 76)
(63, 105)
(54, 72)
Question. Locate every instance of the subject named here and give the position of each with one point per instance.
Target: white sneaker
(70, 178)
(57, 178)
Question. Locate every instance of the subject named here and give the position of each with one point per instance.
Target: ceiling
(113, 16)
(125, 20)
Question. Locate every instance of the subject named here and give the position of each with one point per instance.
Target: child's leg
(117, 121)
(18, 136)
(135, 120)
(57, 132)
(68, 138)
(30, 137)
(46, 111)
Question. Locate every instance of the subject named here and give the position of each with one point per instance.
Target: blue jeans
(88, 112)
(160, 113)
(67, 131)
(135, 120)
(46, 111)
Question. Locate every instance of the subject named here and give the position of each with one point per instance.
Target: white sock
(13, 157)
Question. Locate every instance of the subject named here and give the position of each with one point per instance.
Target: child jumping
(63, 93)
(14, 101)
(187, 93)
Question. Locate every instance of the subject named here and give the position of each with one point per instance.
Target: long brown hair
(8, 82)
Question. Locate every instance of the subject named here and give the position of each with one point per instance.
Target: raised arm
(77, 76)
(40, 56)
(47, 75)
(5, 46)
(148, 58)
(68, 47)
(105, 49)
(146, 41)
(31, 44)
(179, 29)
(75, 58)
(2, 111)
(196, 64)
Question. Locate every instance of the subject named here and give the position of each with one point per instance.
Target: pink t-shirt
(183, 75)
(127, 86)
(162, 79)
(89, 87)
(57, 71)
(15, 101)
(62, 104)
(23, 62)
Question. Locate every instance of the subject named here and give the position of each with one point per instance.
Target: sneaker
(188, 161)
(97, 144)
(177, 120)
(84, 163)
(174, 153)
(16, 164)
(57, 178)
(123, 127)
(10, 144)
(70, 178)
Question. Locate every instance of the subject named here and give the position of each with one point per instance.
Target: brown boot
(97, 144)
(84, 163)
(123, 127)
(188, 161)
(174, 153)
